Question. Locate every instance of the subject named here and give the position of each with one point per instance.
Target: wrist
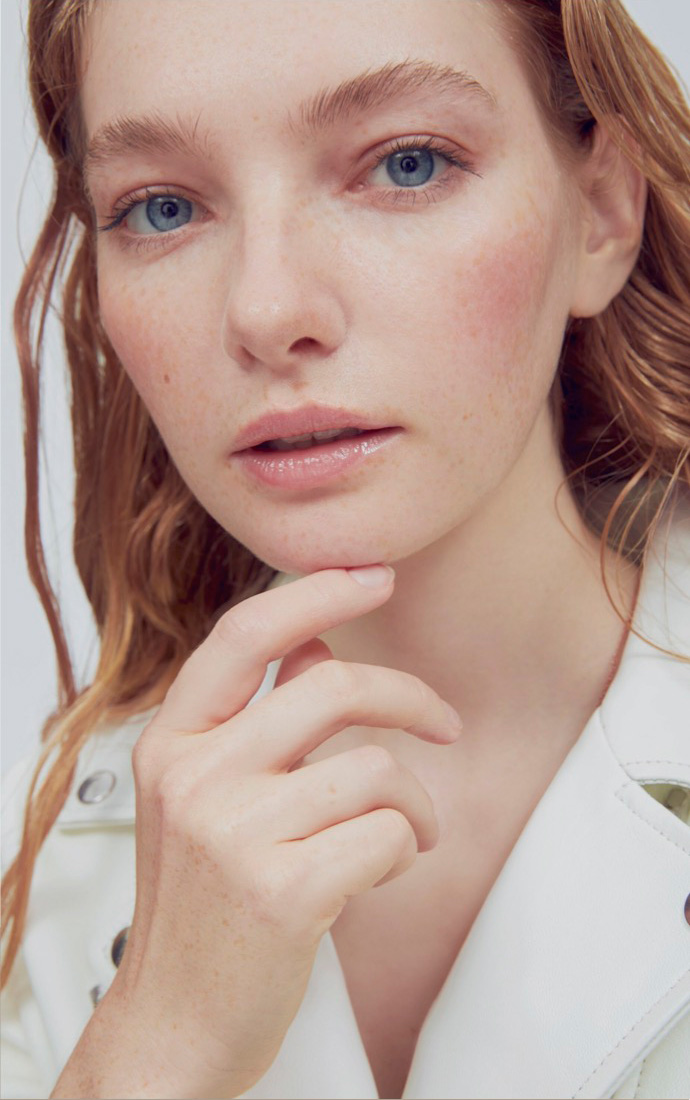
(120, 1056)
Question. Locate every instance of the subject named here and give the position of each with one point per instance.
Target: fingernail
(453, 715)
(372, 576)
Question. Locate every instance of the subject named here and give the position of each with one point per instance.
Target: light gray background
(29, 683)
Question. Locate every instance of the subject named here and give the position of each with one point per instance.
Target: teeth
(333, 434)
(301, 442)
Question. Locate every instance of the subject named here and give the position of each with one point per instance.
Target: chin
(303, 565)
(341, 538)
(311, 559)
(305, 549)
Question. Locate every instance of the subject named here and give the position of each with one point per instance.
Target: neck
(506, 616)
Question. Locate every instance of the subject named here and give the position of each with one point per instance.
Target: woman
(460, 230)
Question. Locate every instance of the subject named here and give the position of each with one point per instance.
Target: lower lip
(314, 465)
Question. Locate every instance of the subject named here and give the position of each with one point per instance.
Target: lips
(305, 442)
(283, 423)
(324, 464)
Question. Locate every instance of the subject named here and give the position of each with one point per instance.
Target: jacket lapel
(579, 960)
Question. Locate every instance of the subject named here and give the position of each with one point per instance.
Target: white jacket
(575, 978)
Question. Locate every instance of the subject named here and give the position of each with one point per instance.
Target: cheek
(502, 300)
(507, 319)
(161, 349)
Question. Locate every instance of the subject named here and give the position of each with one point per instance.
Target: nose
(282, 300)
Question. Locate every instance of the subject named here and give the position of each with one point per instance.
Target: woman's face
(298, 266)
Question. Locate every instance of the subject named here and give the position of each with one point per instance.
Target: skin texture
(306, 276)
(444, 317)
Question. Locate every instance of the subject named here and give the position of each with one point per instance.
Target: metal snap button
(687, 908)
(97, 787)
(119, 943)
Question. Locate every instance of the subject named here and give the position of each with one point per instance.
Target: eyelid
(420, 141)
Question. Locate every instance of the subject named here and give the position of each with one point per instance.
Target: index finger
(223, 673)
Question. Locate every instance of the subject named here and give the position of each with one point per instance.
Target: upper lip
(282, 423)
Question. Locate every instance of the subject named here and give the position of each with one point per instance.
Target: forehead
(257, 62)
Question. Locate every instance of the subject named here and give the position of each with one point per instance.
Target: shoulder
(15, 788)
(107, 751)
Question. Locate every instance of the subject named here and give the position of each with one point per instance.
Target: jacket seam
(662, 777)
(638, 1086)
(636, 1090)
(678, 763)
(655, 828)
(632, 1028)
(598, 715)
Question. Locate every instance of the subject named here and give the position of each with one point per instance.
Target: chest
(396, 945)
(391, 1002)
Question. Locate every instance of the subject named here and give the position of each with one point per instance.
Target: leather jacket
(574, 980)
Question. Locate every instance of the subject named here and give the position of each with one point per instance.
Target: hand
(245, 860)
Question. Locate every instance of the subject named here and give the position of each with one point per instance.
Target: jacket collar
(561, 987)
(562, 979)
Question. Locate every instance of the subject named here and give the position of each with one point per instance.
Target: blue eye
(410, 167)
(160, 214)
(168, 212)
(153, 216)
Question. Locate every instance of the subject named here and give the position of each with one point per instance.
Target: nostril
(303, 344)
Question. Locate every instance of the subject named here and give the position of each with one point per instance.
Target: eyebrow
(372, 89)
(320, 112)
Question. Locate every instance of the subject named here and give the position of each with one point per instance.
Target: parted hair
(157, 569)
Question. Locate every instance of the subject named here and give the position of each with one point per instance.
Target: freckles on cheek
(150, 343)
(503, 318)
(504, 288)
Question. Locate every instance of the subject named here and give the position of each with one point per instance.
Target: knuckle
(377, 761)
(272, 889)
(422, 695)
(396, 826)
(145, 759)
(337, 679)
(186, 818)
(241, 628)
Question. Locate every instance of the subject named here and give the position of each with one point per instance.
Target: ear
(614, 198)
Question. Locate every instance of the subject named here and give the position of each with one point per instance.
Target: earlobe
(614, 194)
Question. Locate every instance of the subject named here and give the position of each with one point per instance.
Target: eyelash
(455, 163)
